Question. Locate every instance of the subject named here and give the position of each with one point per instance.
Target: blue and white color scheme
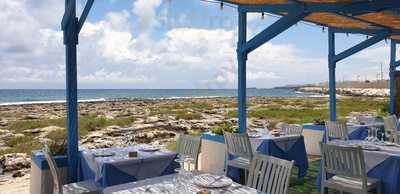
(288, 147)
(120, 168)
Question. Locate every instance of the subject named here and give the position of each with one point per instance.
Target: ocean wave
(49, 102)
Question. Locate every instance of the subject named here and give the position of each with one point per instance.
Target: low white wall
(311, 140)
(41, 181)
(212, 158)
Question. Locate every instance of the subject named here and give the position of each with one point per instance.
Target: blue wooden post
(332, 76)
(392, 76)
(71, 41)
(242, 57)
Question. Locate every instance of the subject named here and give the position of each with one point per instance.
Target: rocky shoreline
(367, 92)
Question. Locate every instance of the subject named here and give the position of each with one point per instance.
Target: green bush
(24, 144)
(59, 144)
(226, 126)
(19, 126)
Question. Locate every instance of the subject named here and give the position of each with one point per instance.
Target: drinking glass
(369, 135)
(183, 175)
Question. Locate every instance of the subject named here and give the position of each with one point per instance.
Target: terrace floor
(307, 185)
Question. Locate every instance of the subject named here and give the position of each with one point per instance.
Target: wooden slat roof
(381, 19)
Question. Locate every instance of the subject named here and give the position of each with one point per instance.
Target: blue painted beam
(242, 57)
(345, 8)
(370, 32)
(364, 7)
(85, 13)
(272, 31)
(397, 64)
(69, 13)
(363, 45)
(392, 78)
(71, 41)
(332, 75)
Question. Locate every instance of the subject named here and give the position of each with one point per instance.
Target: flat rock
(32, 117)
(152, 119)
(14, 161)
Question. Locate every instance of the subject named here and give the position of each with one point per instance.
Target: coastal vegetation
(310, 110)
(28, 141)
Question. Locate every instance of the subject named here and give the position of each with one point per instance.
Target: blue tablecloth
(296, 152)
(119, 169)
(362, 132)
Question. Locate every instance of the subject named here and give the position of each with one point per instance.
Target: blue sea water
(23, 96)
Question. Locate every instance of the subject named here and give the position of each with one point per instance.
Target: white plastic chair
(84, 187)
(269, 174)
(336, 130)
(348, 166)
(238, 145)
(289, 129)
(188, 145)
(390, 123)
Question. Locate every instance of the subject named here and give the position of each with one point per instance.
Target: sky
(146, 44)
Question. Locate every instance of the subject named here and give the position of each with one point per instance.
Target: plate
(103, 154)
(370, 148)
(150, 148)
(212, 181)
(390, 144)
(254, 135)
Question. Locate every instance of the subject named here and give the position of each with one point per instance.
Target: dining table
(118, 165)
(287, 147)
(172, 184)
(382, 161)
(359, 131)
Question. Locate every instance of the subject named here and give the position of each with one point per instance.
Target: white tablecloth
(372, 158)
(165, 184)
(284, 142)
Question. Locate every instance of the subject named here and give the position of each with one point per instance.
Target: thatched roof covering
(382, 19)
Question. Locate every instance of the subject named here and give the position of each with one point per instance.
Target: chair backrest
(343, 161)
(189, 146)
(238, 144)
(269, 174)
(336, 130)
(53, 170)
(390, 122)
(366, 119)
(292, 129)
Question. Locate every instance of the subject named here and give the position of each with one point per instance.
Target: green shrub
(59, 144)
(19, 126)
(25, 144)
(226, 126)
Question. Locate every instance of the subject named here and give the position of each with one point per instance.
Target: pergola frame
(291, 13)
(296, 12)
(72, 25)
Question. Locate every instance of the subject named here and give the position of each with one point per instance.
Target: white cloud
(119, 51)
(146, 12)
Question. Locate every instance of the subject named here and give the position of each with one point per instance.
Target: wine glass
(368, 138)
(375, 134)
(183, 175)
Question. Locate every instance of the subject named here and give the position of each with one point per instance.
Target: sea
(32, 96)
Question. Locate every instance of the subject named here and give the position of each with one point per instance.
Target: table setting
(382, 159)
(278, 144)
(118, 165)
(183, 183)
